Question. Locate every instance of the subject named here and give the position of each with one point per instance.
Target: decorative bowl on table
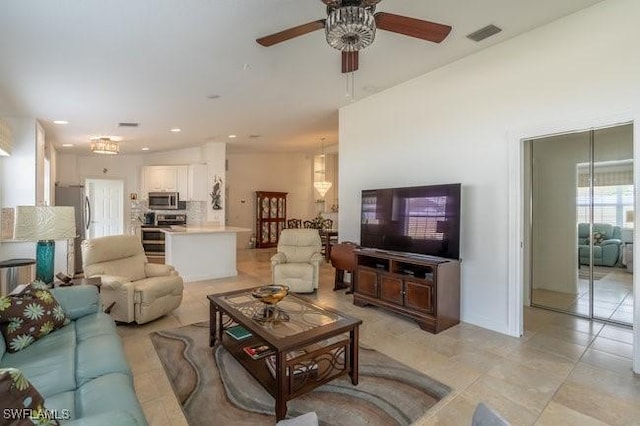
(271, 294)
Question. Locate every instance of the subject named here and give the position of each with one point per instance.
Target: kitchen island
(201, 252)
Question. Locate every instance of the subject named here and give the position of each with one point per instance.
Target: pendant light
(322, 186)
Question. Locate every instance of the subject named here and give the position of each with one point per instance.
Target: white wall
(19, 181)
(248, 173)
(18, 176)
(454, 125)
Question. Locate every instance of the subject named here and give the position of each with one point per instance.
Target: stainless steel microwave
(163, 200)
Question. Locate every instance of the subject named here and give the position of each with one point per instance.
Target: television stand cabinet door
(424, 288)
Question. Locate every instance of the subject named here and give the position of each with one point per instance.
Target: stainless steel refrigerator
(74, 196)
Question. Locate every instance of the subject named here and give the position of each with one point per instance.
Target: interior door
(613, 220)
(106, 207)
(581, 223)
(559, 280)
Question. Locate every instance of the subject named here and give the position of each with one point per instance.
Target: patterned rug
(214, 389)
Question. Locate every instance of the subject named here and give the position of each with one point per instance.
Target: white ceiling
(96, 63)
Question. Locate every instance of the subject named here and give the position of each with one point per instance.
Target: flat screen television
(418, 219)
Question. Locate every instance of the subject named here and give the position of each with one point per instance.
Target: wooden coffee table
(312, 347)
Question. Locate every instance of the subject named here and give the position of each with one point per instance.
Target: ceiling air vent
(128, 124)
(485, 32)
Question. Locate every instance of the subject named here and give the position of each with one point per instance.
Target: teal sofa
(81, 367)
(607, 252)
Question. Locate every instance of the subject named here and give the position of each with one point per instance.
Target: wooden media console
(425, 288)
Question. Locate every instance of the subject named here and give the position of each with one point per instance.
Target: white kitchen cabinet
(198, 189)
(182, 182)
(166, 179)
(160, 178)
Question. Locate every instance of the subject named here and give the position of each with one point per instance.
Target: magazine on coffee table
(258, 351)
(238, 332)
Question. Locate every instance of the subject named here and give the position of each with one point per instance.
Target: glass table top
(302, 315)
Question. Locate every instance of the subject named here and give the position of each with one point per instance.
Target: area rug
(214, 389)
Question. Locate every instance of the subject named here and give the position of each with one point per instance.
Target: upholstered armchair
(297, 262)
(141, 291)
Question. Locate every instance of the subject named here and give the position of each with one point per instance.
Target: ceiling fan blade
(290, 33)
(412, 27)
(349, 61)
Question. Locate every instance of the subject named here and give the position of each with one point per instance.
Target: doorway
(106, 207)
(580, 223)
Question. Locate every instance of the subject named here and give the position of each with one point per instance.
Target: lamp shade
(630, 216)
(34, 223)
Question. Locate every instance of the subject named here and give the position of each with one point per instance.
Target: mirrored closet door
(581, 222)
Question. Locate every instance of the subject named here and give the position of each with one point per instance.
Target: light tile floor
(564, 370)
(612, 295)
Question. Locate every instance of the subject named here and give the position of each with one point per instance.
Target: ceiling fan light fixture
(350, 28)
(105, 146)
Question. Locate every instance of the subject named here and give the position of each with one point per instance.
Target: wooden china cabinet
(271, 217)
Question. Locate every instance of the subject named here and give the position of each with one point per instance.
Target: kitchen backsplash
(196, 212)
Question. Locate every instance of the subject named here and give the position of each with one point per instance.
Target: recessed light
(232, 136)
(175, 130)
(145, 148)
(67, 145)
(61, 122)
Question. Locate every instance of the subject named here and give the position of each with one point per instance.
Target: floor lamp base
(45, 251)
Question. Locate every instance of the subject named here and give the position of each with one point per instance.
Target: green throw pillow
(29, 315)
(20, 402)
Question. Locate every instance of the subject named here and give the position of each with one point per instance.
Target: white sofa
(141, 291)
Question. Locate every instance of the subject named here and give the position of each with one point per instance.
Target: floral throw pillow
(20, 402)
(29, 315)
(597, 238)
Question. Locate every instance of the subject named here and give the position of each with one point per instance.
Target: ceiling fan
(351, 25)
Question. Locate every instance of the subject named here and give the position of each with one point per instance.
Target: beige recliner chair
(297, 262)
(141, 291)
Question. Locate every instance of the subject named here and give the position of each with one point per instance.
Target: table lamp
(45, 225)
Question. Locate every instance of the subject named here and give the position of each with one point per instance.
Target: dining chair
(294, 223)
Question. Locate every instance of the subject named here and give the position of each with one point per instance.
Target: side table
(95, 281)
(628, 256)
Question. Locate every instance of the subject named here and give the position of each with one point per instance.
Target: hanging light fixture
(350, 28)
(322, 186)
(105, 146)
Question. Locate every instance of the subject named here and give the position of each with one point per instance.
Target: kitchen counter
(202, 252)
(190, 229)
